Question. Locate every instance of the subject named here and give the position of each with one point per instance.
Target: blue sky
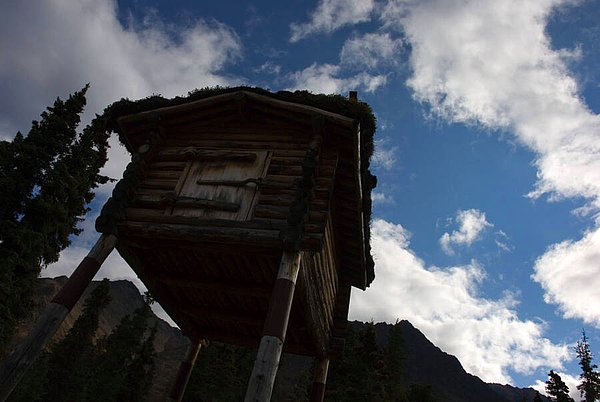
(486, 227)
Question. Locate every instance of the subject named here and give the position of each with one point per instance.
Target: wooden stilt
(185, 371)
(318, 389)
(21, 358)
(263, 374)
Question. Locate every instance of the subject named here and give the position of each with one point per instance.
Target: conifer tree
(47, 178)
(70, 365)
(64, 372)
(590, 378)
(557, 389)
(394, 361)
(125, 363)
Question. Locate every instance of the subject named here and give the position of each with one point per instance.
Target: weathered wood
(18, 361)
(163, 174)
(212, 313)
(318, 389)
(198, 234)
(227, 287)
(171, 154)
(233, 182)
(169, 199)
(160, 184)
(185, 371)
(265, 368)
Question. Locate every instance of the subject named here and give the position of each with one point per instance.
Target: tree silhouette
(47, 178)
(590, 378)
(557, 389)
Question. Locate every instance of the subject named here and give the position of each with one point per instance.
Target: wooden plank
(163, 174)
(141, 215)
(235, 317)
(178, 166)
(208, 285)
(194, 152)
(197, 234)
(160, 201)
(185, 371)
(210, 181)
(158, 184)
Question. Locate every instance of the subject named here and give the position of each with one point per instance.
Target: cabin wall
(223, 262)
(317, 286)
(280, 147)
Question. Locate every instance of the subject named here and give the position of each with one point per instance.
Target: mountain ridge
(424, 362)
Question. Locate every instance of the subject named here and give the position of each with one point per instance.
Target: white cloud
(370, 50)
(379, 197)
(325, 78)
(58, 46)
(486, 335)
(472, 223)
(569, 273)
(503, 241)
(384, 155)
(570, 380)
(331, 15)
(492, 63)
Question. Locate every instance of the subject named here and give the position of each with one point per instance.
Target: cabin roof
(357, 116)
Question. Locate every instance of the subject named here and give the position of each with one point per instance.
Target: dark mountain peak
(424, 363)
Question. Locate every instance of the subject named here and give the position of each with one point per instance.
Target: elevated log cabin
(223, 183)
(231, 198)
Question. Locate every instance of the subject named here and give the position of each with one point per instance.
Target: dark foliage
(366, 372)
(125, 362)
(557, 389)
(47, 178)
(590, 378)
(119, 367)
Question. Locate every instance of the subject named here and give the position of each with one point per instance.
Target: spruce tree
(64, 371)
(124, 366)
(590, 378)
(71, 363)
(47, 178)
(557, 389)
(394, 360)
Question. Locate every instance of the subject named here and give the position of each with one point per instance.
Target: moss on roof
(332, 103)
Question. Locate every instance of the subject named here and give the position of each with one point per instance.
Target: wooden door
(223, 188)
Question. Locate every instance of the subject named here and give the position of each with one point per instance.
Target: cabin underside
(222, 293)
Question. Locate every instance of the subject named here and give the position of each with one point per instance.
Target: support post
(18, 361)
(185, 371)
(265, 368)
(318, 388)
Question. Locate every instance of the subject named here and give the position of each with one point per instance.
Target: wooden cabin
(224, 181)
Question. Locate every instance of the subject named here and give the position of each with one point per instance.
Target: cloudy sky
(486, 226)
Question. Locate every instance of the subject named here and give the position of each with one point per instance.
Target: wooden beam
(185, 371)
(318, 389)
(218, 314)
(241, 289)
(18, 361)
(265, 368)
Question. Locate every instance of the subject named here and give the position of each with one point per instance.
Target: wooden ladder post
(18, 361)
(265, 368)
(185, 371)
(318, 389)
